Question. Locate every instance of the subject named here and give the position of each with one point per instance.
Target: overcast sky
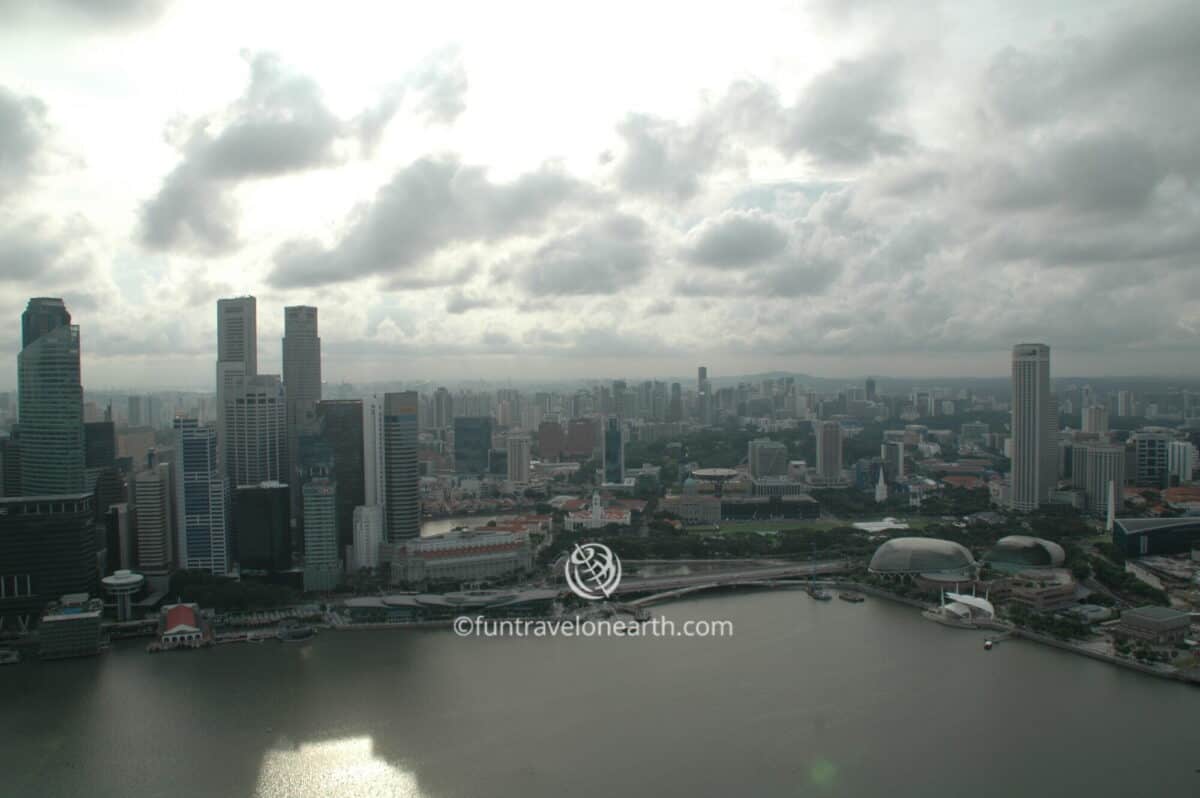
(560, 189)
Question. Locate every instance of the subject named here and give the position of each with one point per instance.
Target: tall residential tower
(1034, 427)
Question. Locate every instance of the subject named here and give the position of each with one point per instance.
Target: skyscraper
(1125, 404)
(1103, 466)
(518, 458)
(373, 462)
(1095, 419)
(237, 353)
(1152, 459)
(152, 511)
(870, 389)
(341, 426)
(614, 451)
(675, 407)
(100, 444)
(551, 440)
(368, 534)
(47, 549)
(301, 382)
(50, 412)
(133, 417)
(201, 499)
(321, 561)
(256, 430)
(1181, 461)
(262, 527)
(402, 500)
(892, 454)
(829, 451)
(703, 396)
(443, 409)
(1034, 427)
(472, 442)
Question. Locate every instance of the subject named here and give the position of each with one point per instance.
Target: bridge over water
(663, 587)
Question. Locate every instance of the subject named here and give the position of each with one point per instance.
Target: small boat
(9, 657)
(987, 645)
(295, 632)
(852, 596)
(819, 594)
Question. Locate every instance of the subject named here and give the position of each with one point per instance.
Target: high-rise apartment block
(1034, 426)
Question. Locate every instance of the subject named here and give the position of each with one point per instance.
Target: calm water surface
(807, 698)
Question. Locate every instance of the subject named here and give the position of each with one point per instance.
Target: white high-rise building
(1125, 404)
(237, 352)
(518, 447)
(1104, 474)
(368, 535)
(1181, 461)
(256, 430)
(1095, 419)
(1181, 457)
(1034, 427)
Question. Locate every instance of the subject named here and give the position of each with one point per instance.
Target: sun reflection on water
(346, 767)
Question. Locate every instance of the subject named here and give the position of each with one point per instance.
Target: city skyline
(853, 190)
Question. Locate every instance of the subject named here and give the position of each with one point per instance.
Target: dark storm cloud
(99, 14)
(429, 205)
(842, 117)
(735, 239)
(603, 257)
(23, 133)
